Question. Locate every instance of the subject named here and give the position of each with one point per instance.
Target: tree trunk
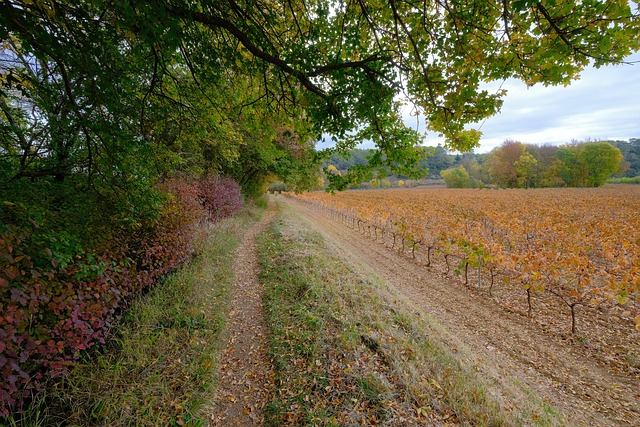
(466, 273)
(492, 275)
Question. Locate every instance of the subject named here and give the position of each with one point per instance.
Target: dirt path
(514, 353)
(246, 373)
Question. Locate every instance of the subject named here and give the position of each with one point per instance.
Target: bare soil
(520, 356)
(246, 376)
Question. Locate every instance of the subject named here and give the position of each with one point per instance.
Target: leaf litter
(246, 376)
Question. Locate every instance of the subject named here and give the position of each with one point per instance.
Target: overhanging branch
(214, 21)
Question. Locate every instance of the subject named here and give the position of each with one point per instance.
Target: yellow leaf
(424, 411)
(622, 299)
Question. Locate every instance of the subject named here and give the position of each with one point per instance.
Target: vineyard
(573, 247)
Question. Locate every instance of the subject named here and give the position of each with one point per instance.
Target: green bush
(456, 177)
(624, 180)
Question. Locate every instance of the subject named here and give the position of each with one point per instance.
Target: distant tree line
(631, 153)
(518, 165)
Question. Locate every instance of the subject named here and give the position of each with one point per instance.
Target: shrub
(52, 308)
(57, 300)
(456, 177)
(221, 196)
(624, 180)
(279, 187)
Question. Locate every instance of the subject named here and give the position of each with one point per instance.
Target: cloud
(603, 104)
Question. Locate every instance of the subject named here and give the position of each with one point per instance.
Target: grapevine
(580, 246)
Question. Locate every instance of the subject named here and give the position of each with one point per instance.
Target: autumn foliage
(221, 196)
(518, 165)
(57, 300)
(579, 246)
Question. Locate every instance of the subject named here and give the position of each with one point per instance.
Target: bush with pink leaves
(221, 196)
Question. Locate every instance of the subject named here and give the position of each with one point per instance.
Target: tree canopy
(102, 87)
(587, 164)
(456, 177)
(631, 153)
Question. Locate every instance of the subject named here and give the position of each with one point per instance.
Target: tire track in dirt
(509, 348)
(246, 375)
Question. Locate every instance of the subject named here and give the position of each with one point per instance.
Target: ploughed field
(568, 259)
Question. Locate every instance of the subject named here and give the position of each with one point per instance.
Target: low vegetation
(61, 289)
(347, 351)
(624, 180)
(159, 363)
(577, 247)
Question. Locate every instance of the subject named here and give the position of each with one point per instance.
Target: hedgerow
(57, 299)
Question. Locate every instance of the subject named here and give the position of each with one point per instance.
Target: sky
(604, 104)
